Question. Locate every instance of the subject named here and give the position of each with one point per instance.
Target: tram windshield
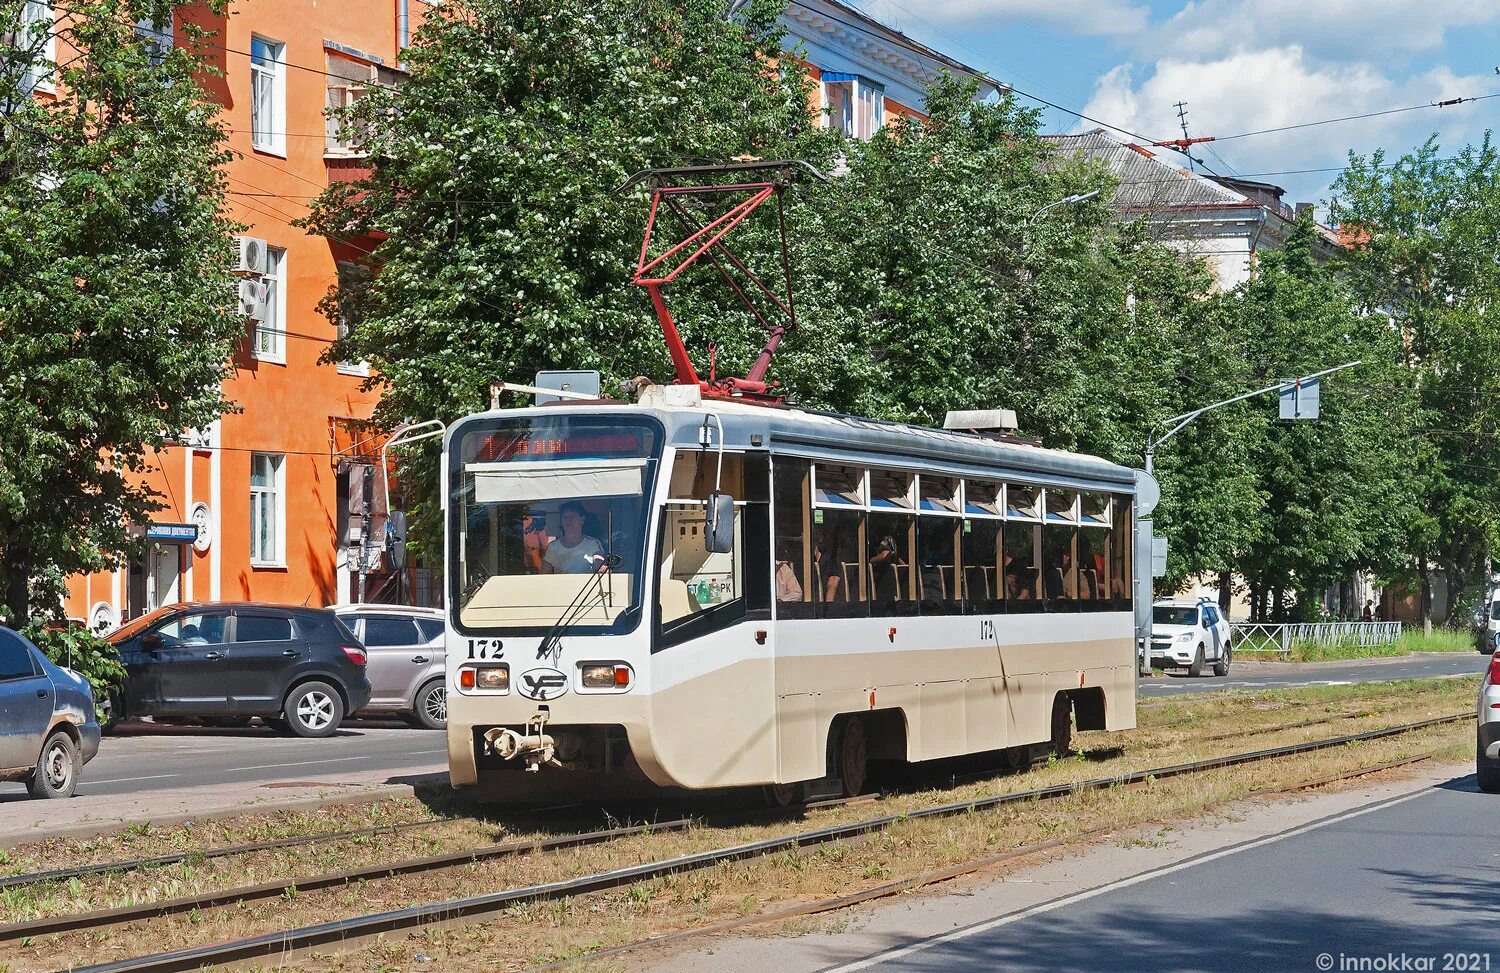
(548, 521)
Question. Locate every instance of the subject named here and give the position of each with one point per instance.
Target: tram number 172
(486, 649)
(986, 630)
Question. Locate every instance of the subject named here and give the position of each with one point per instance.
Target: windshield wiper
(552, 642)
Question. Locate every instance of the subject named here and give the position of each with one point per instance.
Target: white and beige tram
(696, 593)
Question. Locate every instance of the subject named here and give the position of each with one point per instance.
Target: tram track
(374, 924)
(127, 866)
(938, 875)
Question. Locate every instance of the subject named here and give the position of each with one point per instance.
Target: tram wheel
(784, 795)
(853, 757)
(1062, 726)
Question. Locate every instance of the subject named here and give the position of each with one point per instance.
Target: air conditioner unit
(252, 258)
(253, 297)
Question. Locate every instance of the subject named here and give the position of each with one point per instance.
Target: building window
(853, 105)
(267, 509)
(353, 286)
(38, 38)
(268, 95)
(157, 38)
(270, 330)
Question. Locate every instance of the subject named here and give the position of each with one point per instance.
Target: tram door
(715, 617)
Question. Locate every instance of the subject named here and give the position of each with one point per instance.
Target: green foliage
(1337, 491)
(1426, 230)
(85, 653)
(925, 282)
(117, 313)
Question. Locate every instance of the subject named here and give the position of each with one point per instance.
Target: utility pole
(1181, 107)
(1175, 425)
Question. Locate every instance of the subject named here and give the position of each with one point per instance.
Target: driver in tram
(573, 552)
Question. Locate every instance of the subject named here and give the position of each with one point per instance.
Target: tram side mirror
(718, 534)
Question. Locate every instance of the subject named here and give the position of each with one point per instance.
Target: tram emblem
(543, 684)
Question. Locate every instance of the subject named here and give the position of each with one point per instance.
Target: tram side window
(702, 592)
(793, 580)
(1059, 566)
(983, 581)
(939, 545)
(1093, 568)
(939, 567)
(891, 536)
(838, 540)
(1022, 571)
(1120, 552)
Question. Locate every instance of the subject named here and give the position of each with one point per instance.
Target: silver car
(405, 667)
(1487, 747)
(48, 729)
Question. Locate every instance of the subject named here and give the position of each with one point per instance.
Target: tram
(708, 587)
(692, 593)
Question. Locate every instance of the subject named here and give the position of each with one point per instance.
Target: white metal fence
(1268, 637)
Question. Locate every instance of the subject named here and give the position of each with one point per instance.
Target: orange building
(258, 505)
(264, 503)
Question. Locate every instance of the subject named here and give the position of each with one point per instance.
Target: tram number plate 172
(486, 649)
(987, 630)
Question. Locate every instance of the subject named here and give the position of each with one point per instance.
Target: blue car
(48, 728)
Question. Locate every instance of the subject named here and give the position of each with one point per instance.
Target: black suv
(298, 669)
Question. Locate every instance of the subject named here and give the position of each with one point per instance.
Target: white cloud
(1358, 29)
(1075, 16)
(1253, 90)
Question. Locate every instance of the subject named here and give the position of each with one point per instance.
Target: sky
(1240, 66)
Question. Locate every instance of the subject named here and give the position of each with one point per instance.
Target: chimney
(1303, 208)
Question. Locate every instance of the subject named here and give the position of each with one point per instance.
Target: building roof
(1147, 181)
(833, 26)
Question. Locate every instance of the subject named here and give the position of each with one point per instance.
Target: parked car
(406, 651)
(1487, 624)
(1487, 747)
(48, 729)
(298, 669)
(1189, 633)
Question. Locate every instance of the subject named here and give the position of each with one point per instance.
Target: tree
(117, 312)
(1340, 486)
(1425, 231)
(504, 246)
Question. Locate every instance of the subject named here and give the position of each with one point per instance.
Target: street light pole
(1065, 201)
(1175, 425)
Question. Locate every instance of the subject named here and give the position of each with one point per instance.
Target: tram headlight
(492, 677)
(606, 676)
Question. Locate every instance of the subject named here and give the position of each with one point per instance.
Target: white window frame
(276, 492)
(269, 135)
(270, 332)
(860, 89)
(39, 77)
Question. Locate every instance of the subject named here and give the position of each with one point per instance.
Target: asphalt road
(1415, 876)
(143, 757)
(1284, 675)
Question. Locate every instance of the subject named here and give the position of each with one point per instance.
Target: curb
(89, 829)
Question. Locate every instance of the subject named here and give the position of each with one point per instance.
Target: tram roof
(858, 441)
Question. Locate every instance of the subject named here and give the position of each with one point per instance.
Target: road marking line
(1045, 907)
(333, 760)
(126, 780)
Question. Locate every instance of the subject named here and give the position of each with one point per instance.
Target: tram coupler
(535, 746)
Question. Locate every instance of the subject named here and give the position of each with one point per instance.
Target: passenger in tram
(574, 552)
(535, 540)
(788, 586)
(885, 557)
(830, 567)
(1062, 580)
